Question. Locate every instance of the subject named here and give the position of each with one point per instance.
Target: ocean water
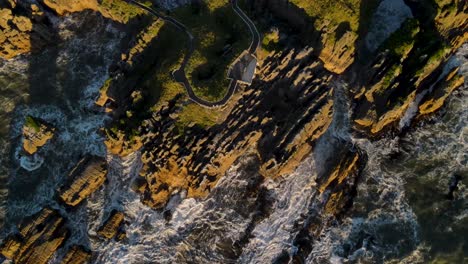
(59, 86)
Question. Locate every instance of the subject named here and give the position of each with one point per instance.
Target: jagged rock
(77, 254)
(142, 41)
(38, 239)
(434, 100)
(23, 33)
(36, 133)
(452, 20)
(338, 54)
(340, 181)
(133, 57)
(118, 144)
(83, 180)
(113, 226)
(404, 71)
(278, 118)
(331, 29)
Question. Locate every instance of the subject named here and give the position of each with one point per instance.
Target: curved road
(253, 29)
(180, 75)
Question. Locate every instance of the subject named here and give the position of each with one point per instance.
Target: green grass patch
(270, 41)
(120, 10)
(197, 115)
(30, 122)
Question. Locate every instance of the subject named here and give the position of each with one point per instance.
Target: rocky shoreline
(278, 119)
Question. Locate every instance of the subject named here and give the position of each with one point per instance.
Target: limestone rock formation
(340, 181)
(336, 190)
(410, 66)
(38, 239)
(36, 133)
(452, 20)
(142, 41)
(77, 255)
(22, 29)
(113, 226)
(332, 29)
(133, 57)
(279, 118)
(83, 180)
(435, 99)
(119, 144)
(338, 54)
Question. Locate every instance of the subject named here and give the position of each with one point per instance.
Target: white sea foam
(293, 196)
(31, 163)
(455, 61)
(387, 19)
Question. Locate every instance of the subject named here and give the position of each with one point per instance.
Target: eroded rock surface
(83, 180)
(23, 29)
(38, 239)
(113, 226)
(411, 64)
(278, 117)
(77, 255)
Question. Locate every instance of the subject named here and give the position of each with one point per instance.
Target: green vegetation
(155, 84)
(334, 12)
(220, 37)
(30, 122)
(433, 58)
(120, 10)
(270, 40)
(159, 85)
(393, 72)
(402, 41)
(197, 115)
(144, 39)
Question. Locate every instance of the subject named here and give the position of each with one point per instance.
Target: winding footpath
(180, 75)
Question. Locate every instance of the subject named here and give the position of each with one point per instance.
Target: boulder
(83, 180)
(77, 255)
(36, 133)
(22, 31)
(113, 226)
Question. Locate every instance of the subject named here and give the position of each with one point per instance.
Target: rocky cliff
(27, 27)
(21, 25)
(275, 123)
(410, 66)
(297, 84)
(278, 123)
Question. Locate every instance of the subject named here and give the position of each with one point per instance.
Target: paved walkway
(180, 75)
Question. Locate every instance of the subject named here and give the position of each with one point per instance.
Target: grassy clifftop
(220, 36)
(116, 10)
